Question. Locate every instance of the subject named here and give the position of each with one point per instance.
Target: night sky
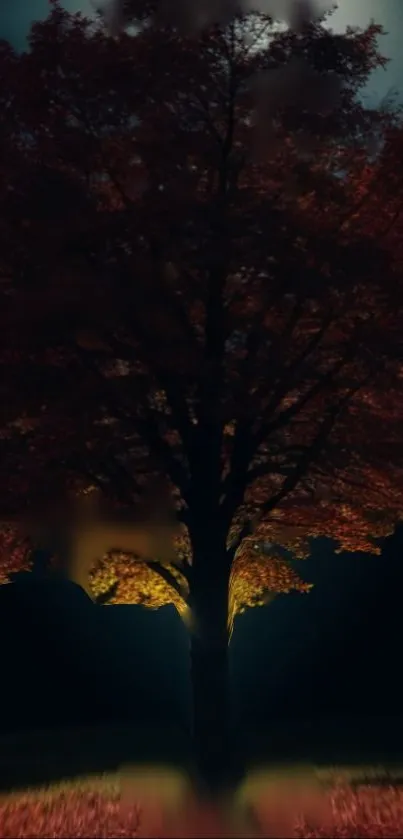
(16, 15)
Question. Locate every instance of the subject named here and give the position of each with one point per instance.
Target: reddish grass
(368, 811)
(93, 809)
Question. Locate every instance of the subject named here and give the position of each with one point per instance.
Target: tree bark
(213, 741)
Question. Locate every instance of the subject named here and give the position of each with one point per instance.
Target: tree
(200, 297)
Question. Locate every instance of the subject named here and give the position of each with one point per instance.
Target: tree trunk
(213, 740)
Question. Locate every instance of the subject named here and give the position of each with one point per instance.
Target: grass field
(136, 783)
(366, 801)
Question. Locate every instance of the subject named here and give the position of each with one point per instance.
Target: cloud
(294, 13)
(193, 17)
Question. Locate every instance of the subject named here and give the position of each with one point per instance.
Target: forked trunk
(213, 739)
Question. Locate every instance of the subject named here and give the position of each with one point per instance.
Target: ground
(359, 802)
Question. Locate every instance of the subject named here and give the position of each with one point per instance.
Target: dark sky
(16, 15)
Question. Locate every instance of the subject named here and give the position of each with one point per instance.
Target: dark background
(324, 670)
(314, 677)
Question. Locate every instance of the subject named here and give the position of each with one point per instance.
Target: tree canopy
(201, 279)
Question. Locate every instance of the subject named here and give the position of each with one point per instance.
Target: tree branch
(265, 469)
(310, 455)
(175, 400)
(352, 211)
(103, 598)
(235, 483)
(254, 339)
(163, 572)
(168, 577)
(286, 380)
(296, 407)
(125, 485)
(178, 405)
(147, 428)
(202, 105)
